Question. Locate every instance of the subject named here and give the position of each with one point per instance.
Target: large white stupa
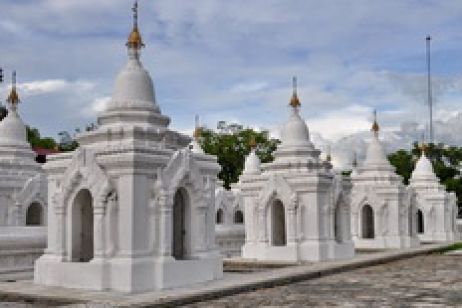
(133, 206)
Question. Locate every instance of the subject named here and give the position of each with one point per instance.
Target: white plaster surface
(376, 186)
(313, 224)
(150, 197)
(437, 206)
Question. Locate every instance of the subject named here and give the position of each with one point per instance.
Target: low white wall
(459, 225)
(230, 239)
(19, 248)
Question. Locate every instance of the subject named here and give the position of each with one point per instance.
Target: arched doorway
(219, 219)
(338, 223)
(179, 247)
(34, 215)
(367, 221)
(420, 222)
(278, 224)
(82, 227)
(238, 217)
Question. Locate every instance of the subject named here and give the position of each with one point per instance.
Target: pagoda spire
(135, 41)
(294, 101)
(375, 125)
(197, 129)
(13, 97)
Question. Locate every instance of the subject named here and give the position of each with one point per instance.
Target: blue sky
(233, 60)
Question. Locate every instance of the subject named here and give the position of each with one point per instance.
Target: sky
(234, 60)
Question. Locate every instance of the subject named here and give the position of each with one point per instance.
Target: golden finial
(424, 148)
(197, 129)
(294, 101)
(134, 39)
(253, 143)
(375, 126)
(13, 98)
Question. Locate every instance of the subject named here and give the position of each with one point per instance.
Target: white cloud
(247, 87)
(96, 107)
(342, 122)
(213, 58)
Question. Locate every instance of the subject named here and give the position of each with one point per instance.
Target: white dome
(295, 131)
(252, 164)
(423, 168)
(12, 128)
(133, 88)
(376, 153)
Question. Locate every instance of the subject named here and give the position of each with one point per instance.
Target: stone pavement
(432, 280)
(23, 292)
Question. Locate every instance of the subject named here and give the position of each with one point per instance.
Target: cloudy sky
(233, 60)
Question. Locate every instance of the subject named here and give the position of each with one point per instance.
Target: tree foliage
(446, 161)
(230, 142)
(37, 141)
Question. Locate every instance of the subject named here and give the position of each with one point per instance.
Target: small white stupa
(293, 209)
(436, 208)
(23, 196)
(133, 206)
(382, 214)
(23, 185)
(229, 221)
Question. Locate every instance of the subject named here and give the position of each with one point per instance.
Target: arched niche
(278, 224)
(219, 217)
(181, 225)
(35, 215)
(82, 242)
(367, 222)
(420, 222)
(338, 224)
(238, 217)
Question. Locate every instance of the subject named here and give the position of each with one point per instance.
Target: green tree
(37, 141)
(404, 162)
(446, 161)
(230, 142)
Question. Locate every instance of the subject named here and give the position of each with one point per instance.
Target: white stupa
(23, 194)
(382, 214)
(293, 210)
(23, 197)
(436, 208)
(133, 205)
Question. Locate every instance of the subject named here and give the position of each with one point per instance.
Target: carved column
(98, 227)
(60, 244)
(201, 229)
(166, 227)
(291, 225)
(262, 226)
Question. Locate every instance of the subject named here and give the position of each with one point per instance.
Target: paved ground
(432, 280)
(371, 287)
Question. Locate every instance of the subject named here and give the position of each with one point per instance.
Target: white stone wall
(19, 248)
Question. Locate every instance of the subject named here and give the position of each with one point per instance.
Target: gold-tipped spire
(197, 129)
(253, 143)
(294, 101)
(375, 126)
(423, 146)
(134, 39)
(13, 97)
